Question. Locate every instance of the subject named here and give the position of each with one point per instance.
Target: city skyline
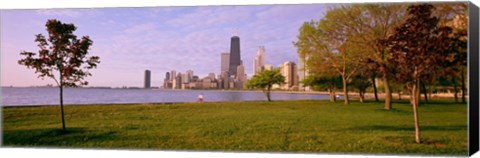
(160, 39)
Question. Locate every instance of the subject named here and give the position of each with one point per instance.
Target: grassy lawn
(280, 126)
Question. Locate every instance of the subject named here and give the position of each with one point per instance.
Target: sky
(160, 39)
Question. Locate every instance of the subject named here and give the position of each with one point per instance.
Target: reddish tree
(61, 54)
(418, 46)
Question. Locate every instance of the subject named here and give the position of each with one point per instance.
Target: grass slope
(280, 126)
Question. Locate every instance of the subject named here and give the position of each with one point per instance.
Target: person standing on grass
(200, 98)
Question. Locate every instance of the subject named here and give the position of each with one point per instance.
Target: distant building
(259, 61)
(268, 67)
(240, 79)
(224, 80)
(234, 55)
(224, 62)
(189, 75)
(173, 74)
(211, 76)
(185, 78)
(167, 76)
(166, 82)
(178, 81)
(147, 79)
(302, 74)
(289, 71)
(195, 78)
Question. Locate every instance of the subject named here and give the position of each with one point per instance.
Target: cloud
(204, 17)
(142, 28)
(60, 12)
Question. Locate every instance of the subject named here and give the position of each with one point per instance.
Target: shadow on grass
(53, 137)
(405, 128)
(394, 110)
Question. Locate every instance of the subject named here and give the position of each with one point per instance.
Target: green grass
(280, 126)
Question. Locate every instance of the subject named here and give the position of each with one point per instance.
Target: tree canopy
(265, 80)
(63, 54)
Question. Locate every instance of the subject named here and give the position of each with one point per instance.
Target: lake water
(50, 96)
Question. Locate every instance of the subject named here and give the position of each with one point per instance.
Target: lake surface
(16, 96)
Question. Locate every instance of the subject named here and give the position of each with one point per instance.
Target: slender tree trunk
(417, 92)
(334, 87)
(424, 91)
(429, 90)
(388, 93)
(463, 86)
(374, 88)
(267, 94)
(415, 113)
(362, 95)
(345, 91)
(332, 94)
(399, 95)
(61, 103)
(455, 89)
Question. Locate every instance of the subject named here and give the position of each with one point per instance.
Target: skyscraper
(225, 62)
(147, 79)
(289, 70)
(234, 55)
(167, 76)
(240, 79)
(189, 75)
(302, 74)
(178, 81)
(173, 74)
(166, 81)
(259, 60)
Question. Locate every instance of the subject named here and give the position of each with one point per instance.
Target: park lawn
(279, 126)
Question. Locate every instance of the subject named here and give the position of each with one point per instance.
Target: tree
(361, 83)
(350, 34)
(417, 46)
(330, 83)
(330, 42)
(379, 21)
(265, 80)
(61, 54)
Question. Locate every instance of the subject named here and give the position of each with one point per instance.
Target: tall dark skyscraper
(234, 55)
(147, 79)
(167, 76)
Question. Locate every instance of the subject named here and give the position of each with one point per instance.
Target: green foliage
(281, 126)
(265, 80)
(322, 83)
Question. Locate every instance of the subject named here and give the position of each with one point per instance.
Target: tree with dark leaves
(418, 46)
(61, 57)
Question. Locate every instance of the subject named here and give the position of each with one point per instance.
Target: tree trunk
(334, 87)
(374, 89)
(463, 86)
(267, 93)
(455, 89)
(362, 95)
(399, 95)
(430, 90)
(388, 94)
(345, 91)
(424, 91)
(332, 94)
(415, 113)
(417, 93)
(61, 103)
